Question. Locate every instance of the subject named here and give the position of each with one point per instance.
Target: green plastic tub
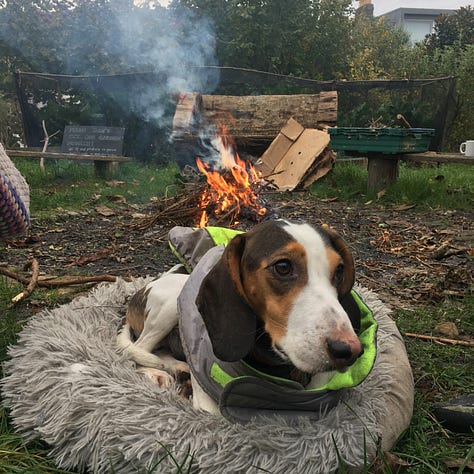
(381, 140)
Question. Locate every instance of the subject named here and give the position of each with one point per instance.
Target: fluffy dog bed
(67, 385)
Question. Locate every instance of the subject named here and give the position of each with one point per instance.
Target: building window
(418, 29)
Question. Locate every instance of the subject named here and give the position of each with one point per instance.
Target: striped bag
(14, 199)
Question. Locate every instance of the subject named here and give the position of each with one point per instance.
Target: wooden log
(254, 121)
(382, 170)
(262, 116)
(188, 112)
(327, 109)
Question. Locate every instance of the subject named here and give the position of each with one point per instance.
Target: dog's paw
(158, 377)
(183, 379)
(185, 389)
(179, 368)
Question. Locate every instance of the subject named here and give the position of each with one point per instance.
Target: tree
(449, 51)
(376, 49)
(302, 38)
(455, 30)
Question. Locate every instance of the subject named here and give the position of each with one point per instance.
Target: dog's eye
(338, 275)
(283, 267)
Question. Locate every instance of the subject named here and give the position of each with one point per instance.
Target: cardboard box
(293, 152)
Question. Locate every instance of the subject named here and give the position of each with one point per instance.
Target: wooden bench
(104, 164)
(383, 168)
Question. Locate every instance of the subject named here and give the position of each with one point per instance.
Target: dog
(279, 296)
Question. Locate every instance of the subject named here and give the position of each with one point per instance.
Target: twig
(440, 339)
(62, 281)
(423, 263)
(32, 284)
(184, 206)
(46, 143)
(80, 280)
(45, 146)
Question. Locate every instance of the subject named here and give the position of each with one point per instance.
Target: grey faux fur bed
(67, 385)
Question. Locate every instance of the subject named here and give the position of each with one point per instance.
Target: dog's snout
(344, 352)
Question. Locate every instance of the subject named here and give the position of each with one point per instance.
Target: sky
(384, 6)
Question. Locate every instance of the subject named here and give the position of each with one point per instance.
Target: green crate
(381, 140)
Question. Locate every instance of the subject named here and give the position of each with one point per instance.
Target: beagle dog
(278, 298)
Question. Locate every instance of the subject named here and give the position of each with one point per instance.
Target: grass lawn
(440, 371)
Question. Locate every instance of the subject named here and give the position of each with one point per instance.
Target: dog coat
(240, 390)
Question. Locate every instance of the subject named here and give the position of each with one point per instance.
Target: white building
(417, 21)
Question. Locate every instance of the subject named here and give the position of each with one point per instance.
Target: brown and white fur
(284, 283)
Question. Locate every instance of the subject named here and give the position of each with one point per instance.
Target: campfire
(232, 191)
(234, 186)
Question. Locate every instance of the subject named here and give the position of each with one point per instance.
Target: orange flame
(230, 192)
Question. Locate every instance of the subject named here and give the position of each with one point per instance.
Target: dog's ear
(352, 310)
(348, 276)
(230, 322)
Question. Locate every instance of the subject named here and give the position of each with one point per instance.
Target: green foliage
(463, 125)
(449, 51)
(9, 121)
(376, 49)
(56, 37)
(452, 30)
(73, 186)
(444, 187)
(438, 369)
(300, 38)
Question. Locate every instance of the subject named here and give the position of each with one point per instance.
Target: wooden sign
(93, 140)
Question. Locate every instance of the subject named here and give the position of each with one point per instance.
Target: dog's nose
(344, 353)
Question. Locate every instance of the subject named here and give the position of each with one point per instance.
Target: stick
(404, 120)
(182, 206)
(45, 146)
(440, 339)
(32, 284)
(61, 281)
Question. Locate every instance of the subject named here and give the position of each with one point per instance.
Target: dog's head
(296, 279)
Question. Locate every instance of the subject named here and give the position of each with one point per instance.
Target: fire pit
(228, 190)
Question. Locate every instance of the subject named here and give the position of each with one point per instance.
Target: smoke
(84, 37)
(218, 149)
(174, 44)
